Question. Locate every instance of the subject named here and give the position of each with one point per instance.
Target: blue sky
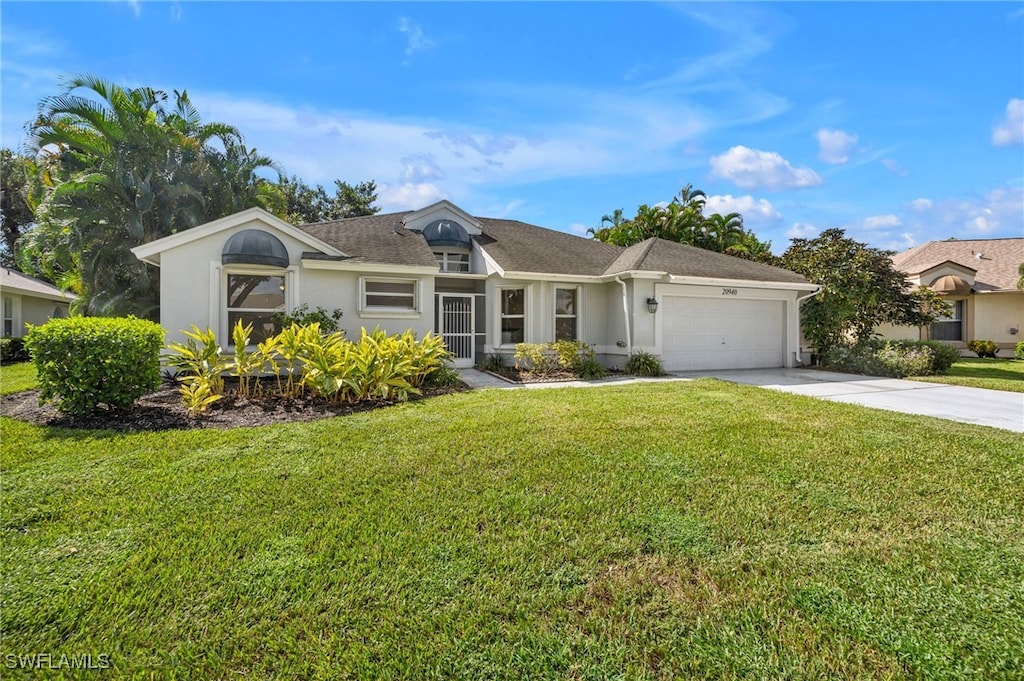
(900, 122)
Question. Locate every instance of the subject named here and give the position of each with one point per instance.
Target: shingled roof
(995, 261)
(13, 280)
(520, 247)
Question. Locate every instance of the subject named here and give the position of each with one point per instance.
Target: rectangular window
(950, 328)
(253, 299)
(390, 294)
(513, 316)
(566, 314)
(452, 261)
(8, 316)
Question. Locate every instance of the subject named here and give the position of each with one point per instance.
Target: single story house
(483, 285)
(27, 300)
(979, 278)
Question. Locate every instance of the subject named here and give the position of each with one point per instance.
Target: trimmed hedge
(85, 362)
(12, 349)
(983, 348)
(897, 359)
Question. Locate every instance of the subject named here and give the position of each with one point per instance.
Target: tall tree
(313, 204)
(20, 190)
(683, 220)
(861, 289)
(122, 167)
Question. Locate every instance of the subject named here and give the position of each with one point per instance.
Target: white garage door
(710, 333)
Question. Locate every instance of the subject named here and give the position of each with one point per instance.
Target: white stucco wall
(27, 309)
(996, 313)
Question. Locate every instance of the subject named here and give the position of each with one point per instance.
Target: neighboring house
(979, 278)
(27, 300)
(483, 285)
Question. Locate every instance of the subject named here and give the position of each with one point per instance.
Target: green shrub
(495, 362)
(12, 349)
(1018, 351)
(85, 362)
(944, 355)
(201, 369)
(644, 364)
(327, 319)
(896, 359)
(445, 377)
(982, 348)
(575, 357)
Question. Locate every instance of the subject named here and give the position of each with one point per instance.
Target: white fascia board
(493, 266)
(58, 296)
(444, 204)
(373, 267)
(743, 283)
(546, 276)
(635, 274)
(150, 252)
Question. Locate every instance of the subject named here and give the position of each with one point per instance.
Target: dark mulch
(517, 376)
(162, 410)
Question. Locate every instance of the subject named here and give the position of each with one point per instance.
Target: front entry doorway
(455, 325)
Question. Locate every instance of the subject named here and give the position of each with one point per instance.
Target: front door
(455, 326)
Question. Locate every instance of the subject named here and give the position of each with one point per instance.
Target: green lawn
(17, 377)
(973, 372)
(664, 530)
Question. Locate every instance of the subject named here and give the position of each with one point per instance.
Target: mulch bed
(162, 410)
(517, 376)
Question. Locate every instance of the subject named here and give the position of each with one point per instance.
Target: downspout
(799, 300)
(625, 316)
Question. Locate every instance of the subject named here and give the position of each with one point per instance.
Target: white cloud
(894, 167)
(882, 221)
(416, 40)
(754, 211)
(999, 212)
(800, 230)
(921, 204)
(834, 146)
(408, 196)
(753, 169)
(1010, 130)
(578, 228)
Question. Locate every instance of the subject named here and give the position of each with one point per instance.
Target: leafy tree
(313, 204)
(20, 191)
(861, 289)
(122, 167)
(1020, 280)
(683, 220)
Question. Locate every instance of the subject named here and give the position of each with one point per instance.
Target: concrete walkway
(995, 408)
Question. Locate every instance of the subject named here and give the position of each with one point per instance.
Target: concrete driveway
(994, 408)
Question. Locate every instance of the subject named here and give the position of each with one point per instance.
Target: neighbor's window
(253, 299)
(566, 314)
(389, 293)
(8, 316)
(452, 261)
(950, 328)
(513, 316)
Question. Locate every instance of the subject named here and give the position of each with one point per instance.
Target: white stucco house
(27, 300)
(483, 285)
(979, 278)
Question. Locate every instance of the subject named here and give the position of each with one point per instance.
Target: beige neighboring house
(27, 300)
(979, 278)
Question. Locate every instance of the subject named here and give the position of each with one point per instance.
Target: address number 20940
(730, 292)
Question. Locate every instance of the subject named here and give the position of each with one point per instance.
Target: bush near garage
(983, 348)
(1018, 351)
(85, 363)
(896, 359)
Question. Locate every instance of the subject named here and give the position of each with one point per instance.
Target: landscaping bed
(163, 410)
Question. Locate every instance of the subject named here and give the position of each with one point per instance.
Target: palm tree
(124, 169)
(1020, 281)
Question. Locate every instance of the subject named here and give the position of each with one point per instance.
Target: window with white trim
(8, 316)
(255, 299)
(452, 261)
(389, 294)
(950, 328)
(513, 316)
(566, 314)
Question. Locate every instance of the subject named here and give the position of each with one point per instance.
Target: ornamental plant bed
(162, 409)
(522, 376)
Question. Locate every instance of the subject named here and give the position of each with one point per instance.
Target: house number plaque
(730, 292)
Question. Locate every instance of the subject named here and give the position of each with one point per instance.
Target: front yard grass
(670, 530)
(17, 377)
(976, 372)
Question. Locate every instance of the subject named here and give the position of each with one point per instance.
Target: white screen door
(456, 327)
